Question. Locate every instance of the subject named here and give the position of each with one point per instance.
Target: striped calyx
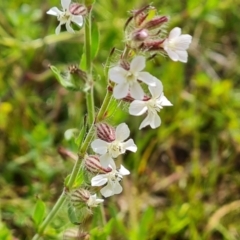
(77, 9)
(80, 195)
(106, 132)
(93, 165)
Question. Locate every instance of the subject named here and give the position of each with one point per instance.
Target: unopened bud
(106, 132)
(77, 9)
(140, 15)
(152, 45)
(79, 196)
(77, 72)
(155, 22)
(93, 165)
(140, 35)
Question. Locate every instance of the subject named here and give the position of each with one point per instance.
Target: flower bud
(93, 165)
(140, 16)
(77, 73)
(140, 35)
(155, 22)
(152, 45)
(77, 9)
(106, 132)
(79, 196)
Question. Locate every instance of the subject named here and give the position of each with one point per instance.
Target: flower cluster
(72, 12)
(109, 145)
(147, 34)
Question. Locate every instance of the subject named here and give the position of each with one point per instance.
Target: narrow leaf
(65, 81)
(39, 212)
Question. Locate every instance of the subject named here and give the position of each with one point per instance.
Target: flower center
(115, 148)
(152, 106)
(64, 17)
(131, 77)
(114, 176)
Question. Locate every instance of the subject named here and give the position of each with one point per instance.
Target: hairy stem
(88, 56)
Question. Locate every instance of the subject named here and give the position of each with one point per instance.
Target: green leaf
(83, 61)
(39, 212)
(95, 40)
(79, 139)
(79, 179)
(65, 81)
(72, 215)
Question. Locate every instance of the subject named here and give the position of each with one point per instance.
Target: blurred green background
(184, 182)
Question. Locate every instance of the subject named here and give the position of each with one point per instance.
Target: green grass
(184, 182)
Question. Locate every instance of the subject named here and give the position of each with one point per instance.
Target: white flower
(93, 201)
(127, 80)
(176, 45)
(65, 16)
(151, 106)
(109, 150)
(112, 179)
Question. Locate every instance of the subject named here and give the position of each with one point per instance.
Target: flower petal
(164, 101)
(117, 188)
(54, 11)
(117, 74)
(146, 122)
(78, 20)
(155, 120)
(106, 160)
(157, 90)
(68, 27)
(137, 108)
(137, 64)
(121, 90)
(65, 4)
(123, 171)
(147, 78)
(183, 42)
(129, 145)
(122, 132)
(99, 146)
(107, 191)
(175, 32)
(99, 180)
(182, 56)
(58, 28)
(93, 201)
(136, 91)
(173, 55)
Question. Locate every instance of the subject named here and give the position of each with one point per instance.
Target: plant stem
(88, 56)
(102, 112)
(50, 216)
(91, 120)
(75, 170)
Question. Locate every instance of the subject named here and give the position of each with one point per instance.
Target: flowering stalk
(125, 82)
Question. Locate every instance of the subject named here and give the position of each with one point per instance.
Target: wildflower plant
(99, 143)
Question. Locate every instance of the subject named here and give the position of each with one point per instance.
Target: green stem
(90, 93)
(102, 112)
(90, 134)
(75, 170)
(50, 216)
